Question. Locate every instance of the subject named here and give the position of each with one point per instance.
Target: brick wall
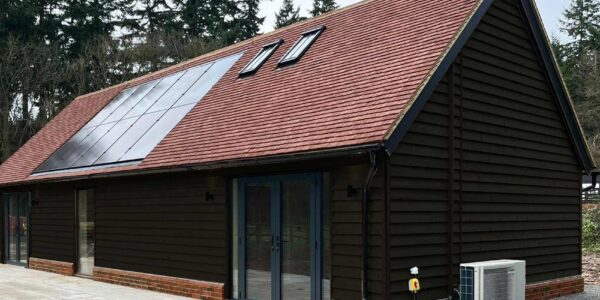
(554, 288)
(177, 286)
(59, 267)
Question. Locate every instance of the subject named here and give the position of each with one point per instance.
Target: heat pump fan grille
(498, 284)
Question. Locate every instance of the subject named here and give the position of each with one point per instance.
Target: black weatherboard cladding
(515, 174)
(163, 225)
(52, 218)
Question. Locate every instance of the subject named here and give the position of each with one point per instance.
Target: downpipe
(594, 181)
(365, 219)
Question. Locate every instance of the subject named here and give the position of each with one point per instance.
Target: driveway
(17, 283)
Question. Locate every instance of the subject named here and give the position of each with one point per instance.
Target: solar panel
(139, 118)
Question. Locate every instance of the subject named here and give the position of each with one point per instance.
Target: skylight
(129, 127)
(301, 46)
(260, 58)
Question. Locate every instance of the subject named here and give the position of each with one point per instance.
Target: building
(355, 145)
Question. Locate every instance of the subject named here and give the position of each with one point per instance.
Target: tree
(322, 6)
(582, 23)
(288, 14)
(84, 21)
(143, 17)
(248, 21)
(580, 66)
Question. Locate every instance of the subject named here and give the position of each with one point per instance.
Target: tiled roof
(349, 89)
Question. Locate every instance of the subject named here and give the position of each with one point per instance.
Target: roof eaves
(122, 171)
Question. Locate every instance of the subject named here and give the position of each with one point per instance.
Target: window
(301, 46)
(260, 58)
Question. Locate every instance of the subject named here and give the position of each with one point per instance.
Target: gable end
(544, 51)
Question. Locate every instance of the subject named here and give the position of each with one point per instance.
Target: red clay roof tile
(349, 89)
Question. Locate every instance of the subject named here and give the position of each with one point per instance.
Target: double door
(16, 228)
(280, 238)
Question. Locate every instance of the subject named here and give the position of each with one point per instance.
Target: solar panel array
(136, 120)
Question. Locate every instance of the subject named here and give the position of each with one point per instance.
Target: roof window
(301, 46)
(260, 58)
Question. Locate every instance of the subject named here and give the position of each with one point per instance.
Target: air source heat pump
(493, 280)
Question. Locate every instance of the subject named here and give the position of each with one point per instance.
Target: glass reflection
(258, 242)
(85, 221)
(295, 237)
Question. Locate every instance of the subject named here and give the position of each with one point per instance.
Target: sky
(551, 11)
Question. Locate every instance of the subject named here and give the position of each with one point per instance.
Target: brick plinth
(59, 267)
(171, 285)
(554, 288)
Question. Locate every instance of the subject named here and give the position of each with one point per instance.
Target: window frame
(247, 72)
(284, 61)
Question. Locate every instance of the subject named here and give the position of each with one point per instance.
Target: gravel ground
(591, 273)
(591, 269)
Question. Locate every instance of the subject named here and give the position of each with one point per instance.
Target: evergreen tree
(288, 14)
(210, 19)
(144, 17)
(84, 21)
(582, 23)
(322, 6)
(248, 21)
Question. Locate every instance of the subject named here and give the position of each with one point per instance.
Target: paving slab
(18, 283)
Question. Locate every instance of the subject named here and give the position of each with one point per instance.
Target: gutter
(284, 158)
(365, 221)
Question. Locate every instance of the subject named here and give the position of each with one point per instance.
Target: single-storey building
(319, 161)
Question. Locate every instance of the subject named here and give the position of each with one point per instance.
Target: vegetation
(591, 230)
(322, 6)
(288, 14)
(580, 65)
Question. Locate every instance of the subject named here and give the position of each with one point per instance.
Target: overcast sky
(551, 11)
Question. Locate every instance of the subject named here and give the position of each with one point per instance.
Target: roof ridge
(227, 48)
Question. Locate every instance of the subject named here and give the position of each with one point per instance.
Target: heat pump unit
(493, 280)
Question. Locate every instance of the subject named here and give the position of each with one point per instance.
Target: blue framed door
(16, 228)
(279, 236)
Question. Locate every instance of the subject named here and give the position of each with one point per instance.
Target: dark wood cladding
(52, 218)
(506, 177)
(163, 225)
(346, 224)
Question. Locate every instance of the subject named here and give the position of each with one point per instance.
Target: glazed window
(301, 46)
(260, 58)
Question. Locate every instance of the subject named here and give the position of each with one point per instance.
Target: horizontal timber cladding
(346, 227)
(52, 218)
(163, 225)
(515, 178)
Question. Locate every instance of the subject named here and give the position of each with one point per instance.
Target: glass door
(278, 220)
(85, 232)
(259, 240)
(16, 224)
